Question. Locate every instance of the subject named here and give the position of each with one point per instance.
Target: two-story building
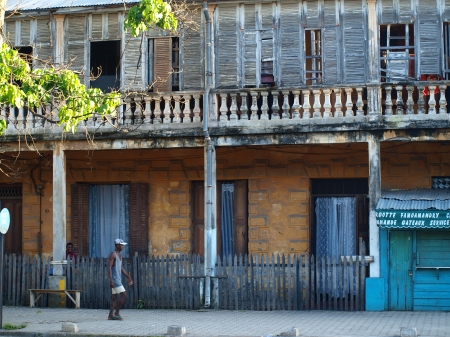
(296, 113)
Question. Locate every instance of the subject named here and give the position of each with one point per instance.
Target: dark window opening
(397, 54)
(447, 50)
(267, 76)
(105, 63)
(27, 54)
(232, 218)
(339, 209)
(175, 64)
(11, 198)
(313, 56)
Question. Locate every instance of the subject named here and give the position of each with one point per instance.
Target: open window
(446, 50)
(397, 54)
(267, 76)
(105, 64)
(232, 218)
(11, 198)
(339, 213)
(313, 56)
(102, 213)
(164, 64)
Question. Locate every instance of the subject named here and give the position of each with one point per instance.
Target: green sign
(388, 218)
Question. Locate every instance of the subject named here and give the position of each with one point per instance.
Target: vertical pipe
(210, 181)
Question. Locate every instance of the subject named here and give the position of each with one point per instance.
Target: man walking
(116, 270)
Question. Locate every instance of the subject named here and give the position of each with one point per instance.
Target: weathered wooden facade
(301, 102)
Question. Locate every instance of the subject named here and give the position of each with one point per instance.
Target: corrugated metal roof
(421, 199)
(26, 5)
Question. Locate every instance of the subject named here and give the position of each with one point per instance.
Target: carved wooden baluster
(167, 110)
(338, 103)
(196, 109)
(30, 120)
(442, 100)
(138, 113)
(432, 101)
(316, 105)
(359, 103)
(176, 110)
(275, 106)
(264, 106)
(127, 119)
(244, 108)
(306, 104)
(119, 114)
(285, 108)
(327, 103)
(186, 101)
(254, 106)
(420, 100)
(409, 100)
(399, 101)
(388, 102)
(21, 118)
(11, 118)
(157, 111)
(233, 108)
(147, 113)
(223, 108)
(349, 103)
(296, 106)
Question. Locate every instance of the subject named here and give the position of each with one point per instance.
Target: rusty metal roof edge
(417, 199)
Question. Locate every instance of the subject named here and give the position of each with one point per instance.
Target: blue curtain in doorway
(108, 218)
(227, 239)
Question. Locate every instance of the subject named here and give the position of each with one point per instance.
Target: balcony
(251, 111)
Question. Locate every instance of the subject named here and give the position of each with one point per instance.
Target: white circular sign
(4, 220)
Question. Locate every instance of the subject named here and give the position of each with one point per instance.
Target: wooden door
(401, 270)
(11, 198)
(198, 218)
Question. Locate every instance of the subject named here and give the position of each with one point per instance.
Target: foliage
(9, 326)
(140, 304)
(42, 87)
(148, 13)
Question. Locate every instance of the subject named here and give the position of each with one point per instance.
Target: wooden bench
(36, 294)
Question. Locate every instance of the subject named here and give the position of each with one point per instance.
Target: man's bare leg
(123, 297)
(112, 306)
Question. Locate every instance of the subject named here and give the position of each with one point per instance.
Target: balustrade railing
(417, 98)
(307, 103)
(269, 105)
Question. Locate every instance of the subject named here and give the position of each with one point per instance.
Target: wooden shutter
(44, 49)
(80, 219)
(198, 218)
(240, 217)
(226, 45)
(162, 64)
(139, 218)
(354, 42)
(330, 56)
(76, 42)
(291, 67)
(192, 57)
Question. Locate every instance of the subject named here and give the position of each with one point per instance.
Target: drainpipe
(210, 181)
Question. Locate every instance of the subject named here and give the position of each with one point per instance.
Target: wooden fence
(256, 282)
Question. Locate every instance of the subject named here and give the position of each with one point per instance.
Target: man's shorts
(118, 290)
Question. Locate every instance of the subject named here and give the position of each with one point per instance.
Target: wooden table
(35, 294)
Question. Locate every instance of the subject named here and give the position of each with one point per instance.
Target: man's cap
(119, 242)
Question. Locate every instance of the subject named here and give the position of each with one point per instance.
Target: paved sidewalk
(47, 322)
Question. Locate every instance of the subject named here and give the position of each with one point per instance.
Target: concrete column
(59, 38)
(59, 208)
(373, 91)
(374, 195)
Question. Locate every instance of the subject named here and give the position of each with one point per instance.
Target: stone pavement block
(292, 333)
(408, 332)
(69, 327)
(176, 330)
